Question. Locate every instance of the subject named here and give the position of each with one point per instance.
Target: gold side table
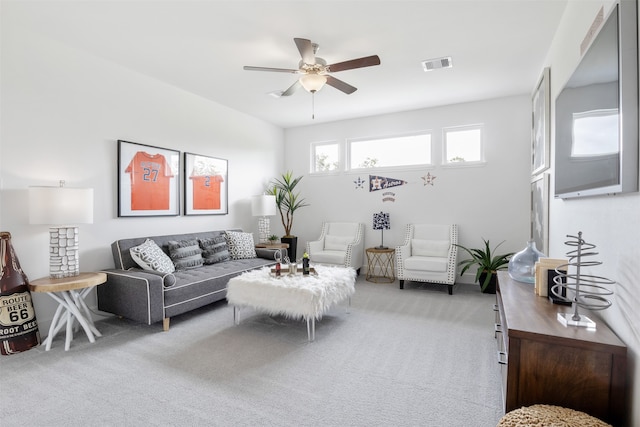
(70, 292)
(381, 261)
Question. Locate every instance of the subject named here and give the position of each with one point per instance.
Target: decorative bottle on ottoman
(305, 263)
(18, 325)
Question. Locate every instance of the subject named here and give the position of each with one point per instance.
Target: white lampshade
(60, 205)
(263, 205)
(313, 82)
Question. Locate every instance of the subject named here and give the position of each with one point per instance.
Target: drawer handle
(495, 307)
(502, 358)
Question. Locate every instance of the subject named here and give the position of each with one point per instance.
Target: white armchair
(340, 243)
(429, 254)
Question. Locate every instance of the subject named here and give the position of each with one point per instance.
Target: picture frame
(148, 180)
(540, 129)
(205, 185)
(540, 212)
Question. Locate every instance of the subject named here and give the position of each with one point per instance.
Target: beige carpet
(413, 357)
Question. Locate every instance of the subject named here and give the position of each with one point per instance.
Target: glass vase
(522, 266)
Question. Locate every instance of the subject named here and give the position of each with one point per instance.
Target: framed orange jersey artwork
(148, 180)
(205, 185)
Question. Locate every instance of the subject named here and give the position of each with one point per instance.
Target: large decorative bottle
(18, 325)
(522, 266)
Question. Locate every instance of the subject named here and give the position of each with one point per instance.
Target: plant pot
(491, 287)
(293, 244)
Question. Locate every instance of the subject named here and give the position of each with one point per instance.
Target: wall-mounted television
(596, 113)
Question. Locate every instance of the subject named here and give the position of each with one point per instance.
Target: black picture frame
(205, 185)
(148, 180)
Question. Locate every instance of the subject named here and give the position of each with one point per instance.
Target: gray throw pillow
(185, 254)
(215, 249)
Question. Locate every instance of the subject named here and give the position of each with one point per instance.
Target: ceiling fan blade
(306, 50)
(294, 87)
(278, 70)
(340, 85)
(366, 61)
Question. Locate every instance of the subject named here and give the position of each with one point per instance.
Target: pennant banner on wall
(382, 183)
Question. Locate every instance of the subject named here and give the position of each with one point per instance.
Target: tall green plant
(287, 200)
(485, 261)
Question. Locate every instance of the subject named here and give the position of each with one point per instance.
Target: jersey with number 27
(150, 181)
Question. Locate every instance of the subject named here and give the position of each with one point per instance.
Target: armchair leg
(401, 284)
(450, 289)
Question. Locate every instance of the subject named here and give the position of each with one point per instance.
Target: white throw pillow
(149, 256)
(241, 245)
(435, 248)
(337, 243)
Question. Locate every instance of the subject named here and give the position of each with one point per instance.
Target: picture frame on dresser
(205, 185)
(540, 124)
(540, 212)
(148, 180)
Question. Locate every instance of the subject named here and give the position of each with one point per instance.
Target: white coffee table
(296, 296)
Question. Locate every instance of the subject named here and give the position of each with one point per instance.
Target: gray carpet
(413, 357)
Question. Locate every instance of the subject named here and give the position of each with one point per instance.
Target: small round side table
(382, 261)
(70, 292)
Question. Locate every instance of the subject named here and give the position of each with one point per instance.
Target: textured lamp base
(64, 259)
(263, 229)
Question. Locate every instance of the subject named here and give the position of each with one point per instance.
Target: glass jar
(522, 266)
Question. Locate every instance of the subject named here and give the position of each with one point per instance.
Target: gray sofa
(149, 296)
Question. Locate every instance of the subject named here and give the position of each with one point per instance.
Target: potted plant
(288, 202)
(272, 239)
(488, 264)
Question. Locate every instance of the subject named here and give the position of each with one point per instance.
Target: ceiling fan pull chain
(313, 106)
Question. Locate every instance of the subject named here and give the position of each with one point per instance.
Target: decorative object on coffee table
(381, 222)
(586, 290)
(60, 207)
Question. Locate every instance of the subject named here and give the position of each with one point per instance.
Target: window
(463, 145)
(325, 157)
(408, 150)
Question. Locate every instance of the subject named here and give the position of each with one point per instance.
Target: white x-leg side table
(70, 293)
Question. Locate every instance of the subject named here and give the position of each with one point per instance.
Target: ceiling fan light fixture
(313, 82)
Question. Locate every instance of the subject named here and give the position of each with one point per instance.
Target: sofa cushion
(185, 253)
(241, 245)
(436, 248)
(214, 249)
(337, 243)
(149, 256)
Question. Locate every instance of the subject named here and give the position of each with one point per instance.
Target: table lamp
(381, 222)
(263, 206)
(61, 207)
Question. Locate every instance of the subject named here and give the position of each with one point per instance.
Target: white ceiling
(497, 48)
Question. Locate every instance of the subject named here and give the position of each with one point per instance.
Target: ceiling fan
(315, 72)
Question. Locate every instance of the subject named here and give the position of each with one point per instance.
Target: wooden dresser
(543, 361)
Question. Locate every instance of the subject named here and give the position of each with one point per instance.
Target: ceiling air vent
(435, 64)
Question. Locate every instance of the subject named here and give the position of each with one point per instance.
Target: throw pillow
(435, 248)
(241, 245)
(149, 256)
(215, 249)
(337, 243)
(185, 254)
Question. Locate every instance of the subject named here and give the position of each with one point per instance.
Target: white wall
(610, 222)
(63, 111)
(490, 201)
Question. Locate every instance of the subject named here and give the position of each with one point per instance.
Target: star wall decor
(359, 183)
(428, 179)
